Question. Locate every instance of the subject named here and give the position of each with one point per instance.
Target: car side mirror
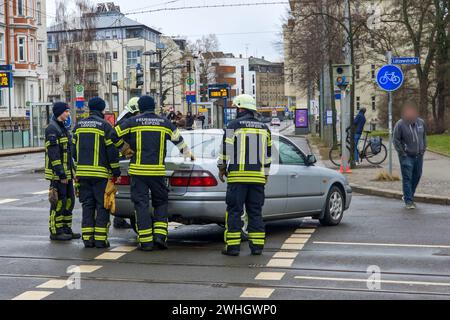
(311, 159)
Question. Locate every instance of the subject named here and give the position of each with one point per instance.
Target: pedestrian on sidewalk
(410, 141)
(359, 123)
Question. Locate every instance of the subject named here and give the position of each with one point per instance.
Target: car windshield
(203, 145)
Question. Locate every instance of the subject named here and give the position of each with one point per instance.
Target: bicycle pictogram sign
(390, 78)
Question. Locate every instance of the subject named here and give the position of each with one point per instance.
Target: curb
(439, 153)
(423, 198)
(16, 152)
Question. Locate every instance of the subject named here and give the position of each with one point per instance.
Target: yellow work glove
(126, 151)
(110, 197)
(189, 155)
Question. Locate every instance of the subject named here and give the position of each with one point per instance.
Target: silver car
(296, 187)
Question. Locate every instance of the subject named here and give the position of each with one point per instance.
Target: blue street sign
(390, 77)
(191, 99)
(79, 104)
(5, 67)
(406, 60)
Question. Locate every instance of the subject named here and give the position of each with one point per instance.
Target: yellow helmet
(132, 105)
(245, 101)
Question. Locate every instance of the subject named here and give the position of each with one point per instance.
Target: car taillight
(197, 178)
(123, 181)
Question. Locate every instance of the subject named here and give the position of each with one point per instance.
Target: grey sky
(262, 24)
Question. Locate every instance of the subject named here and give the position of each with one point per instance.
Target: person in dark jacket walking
(59, 171)
(410, 141)
(189, 121)
(359, 122)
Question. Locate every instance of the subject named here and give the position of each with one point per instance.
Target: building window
(21, 46)
(30, 8)
(57, 79)
(50, 58)
(133, 57)
(114, 34)
(115, 55)
(2, 46)
(108, 55)
(374, 105)
(20, 7)
(373, 71)
(357, 72)
(39, 54)
(31, 50)
(358, 103)
(56, 58)
(115, 76)
(38, 12)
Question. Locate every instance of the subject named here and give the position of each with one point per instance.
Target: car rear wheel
(334, 210)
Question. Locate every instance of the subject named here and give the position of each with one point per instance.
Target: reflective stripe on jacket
(147, 134)
(58, 142)
(246, 150)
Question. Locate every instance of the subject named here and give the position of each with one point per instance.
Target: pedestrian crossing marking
(123, 249)
(301, 235)
(84, 269)
(33, 295)
(296, 240)
(307, 231)
(280, 263)
(283, 254)
(292, 246)
(3, 201)
(53, 284)
(406, 245)
(270, 276)
(40, 192)
(110, 256)
(262, 293)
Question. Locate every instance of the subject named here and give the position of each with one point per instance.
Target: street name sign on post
(405, 60)
(390, 78)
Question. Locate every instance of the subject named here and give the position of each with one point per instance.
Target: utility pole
(72, 81)
(173, 90)
(390, 101)
(161, 99)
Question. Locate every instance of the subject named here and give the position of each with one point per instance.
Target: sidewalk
(434, 186)
(17, 151)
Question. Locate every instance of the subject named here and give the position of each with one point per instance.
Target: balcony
(52, 46)
(225, 69)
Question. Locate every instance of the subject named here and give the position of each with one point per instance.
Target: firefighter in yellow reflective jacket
(147, 134)
(96, 160)
(245, 161)
(58, 169)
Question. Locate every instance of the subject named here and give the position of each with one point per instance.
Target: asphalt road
(302, 260)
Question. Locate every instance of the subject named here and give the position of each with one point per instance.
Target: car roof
(212, 131)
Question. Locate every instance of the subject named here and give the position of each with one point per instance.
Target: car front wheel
(334, 210)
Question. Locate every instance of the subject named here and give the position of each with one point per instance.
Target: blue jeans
(411, 167)
(356, 137)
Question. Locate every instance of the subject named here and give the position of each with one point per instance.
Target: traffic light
(342, 75)
(188, 66)
(139, 76)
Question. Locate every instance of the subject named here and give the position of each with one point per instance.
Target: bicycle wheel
(376, 158)
(335, 155)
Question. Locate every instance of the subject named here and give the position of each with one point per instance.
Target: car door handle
(294, 175)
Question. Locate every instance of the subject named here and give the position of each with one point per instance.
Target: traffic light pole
(389, 60)
(161, 99)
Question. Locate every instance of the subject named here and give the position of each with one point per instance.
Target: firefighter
(130, 110)
(96, 161)
(58, 170)
(147, 134)
(245, 161)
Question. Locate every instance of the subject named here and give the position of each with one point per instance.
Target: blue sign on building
(191, 99)
(390, 78)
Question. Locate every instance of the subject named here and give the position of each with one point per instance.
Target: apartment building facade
(23, 46)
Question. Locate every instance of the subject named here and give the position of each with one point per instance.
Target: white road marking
(110, 256)
(301, 235)
(287, 263)
(283, 254)
(84, 269)
(40, 192)
(307, 231)
(443, 284)
(123, 249)
(383, 244)
(257, 293)
(292, 246)
(270, 276)
(7, 200)
(296, 240)
(33, 295)
(53, 284)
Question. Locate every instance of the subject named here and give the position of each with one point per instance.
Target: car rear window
(203, 145)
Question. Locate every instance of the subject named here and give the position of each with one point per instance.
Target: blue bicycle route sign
(390, 77)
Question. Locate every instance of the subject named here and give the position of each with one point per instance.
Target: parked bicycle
(373, 150)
